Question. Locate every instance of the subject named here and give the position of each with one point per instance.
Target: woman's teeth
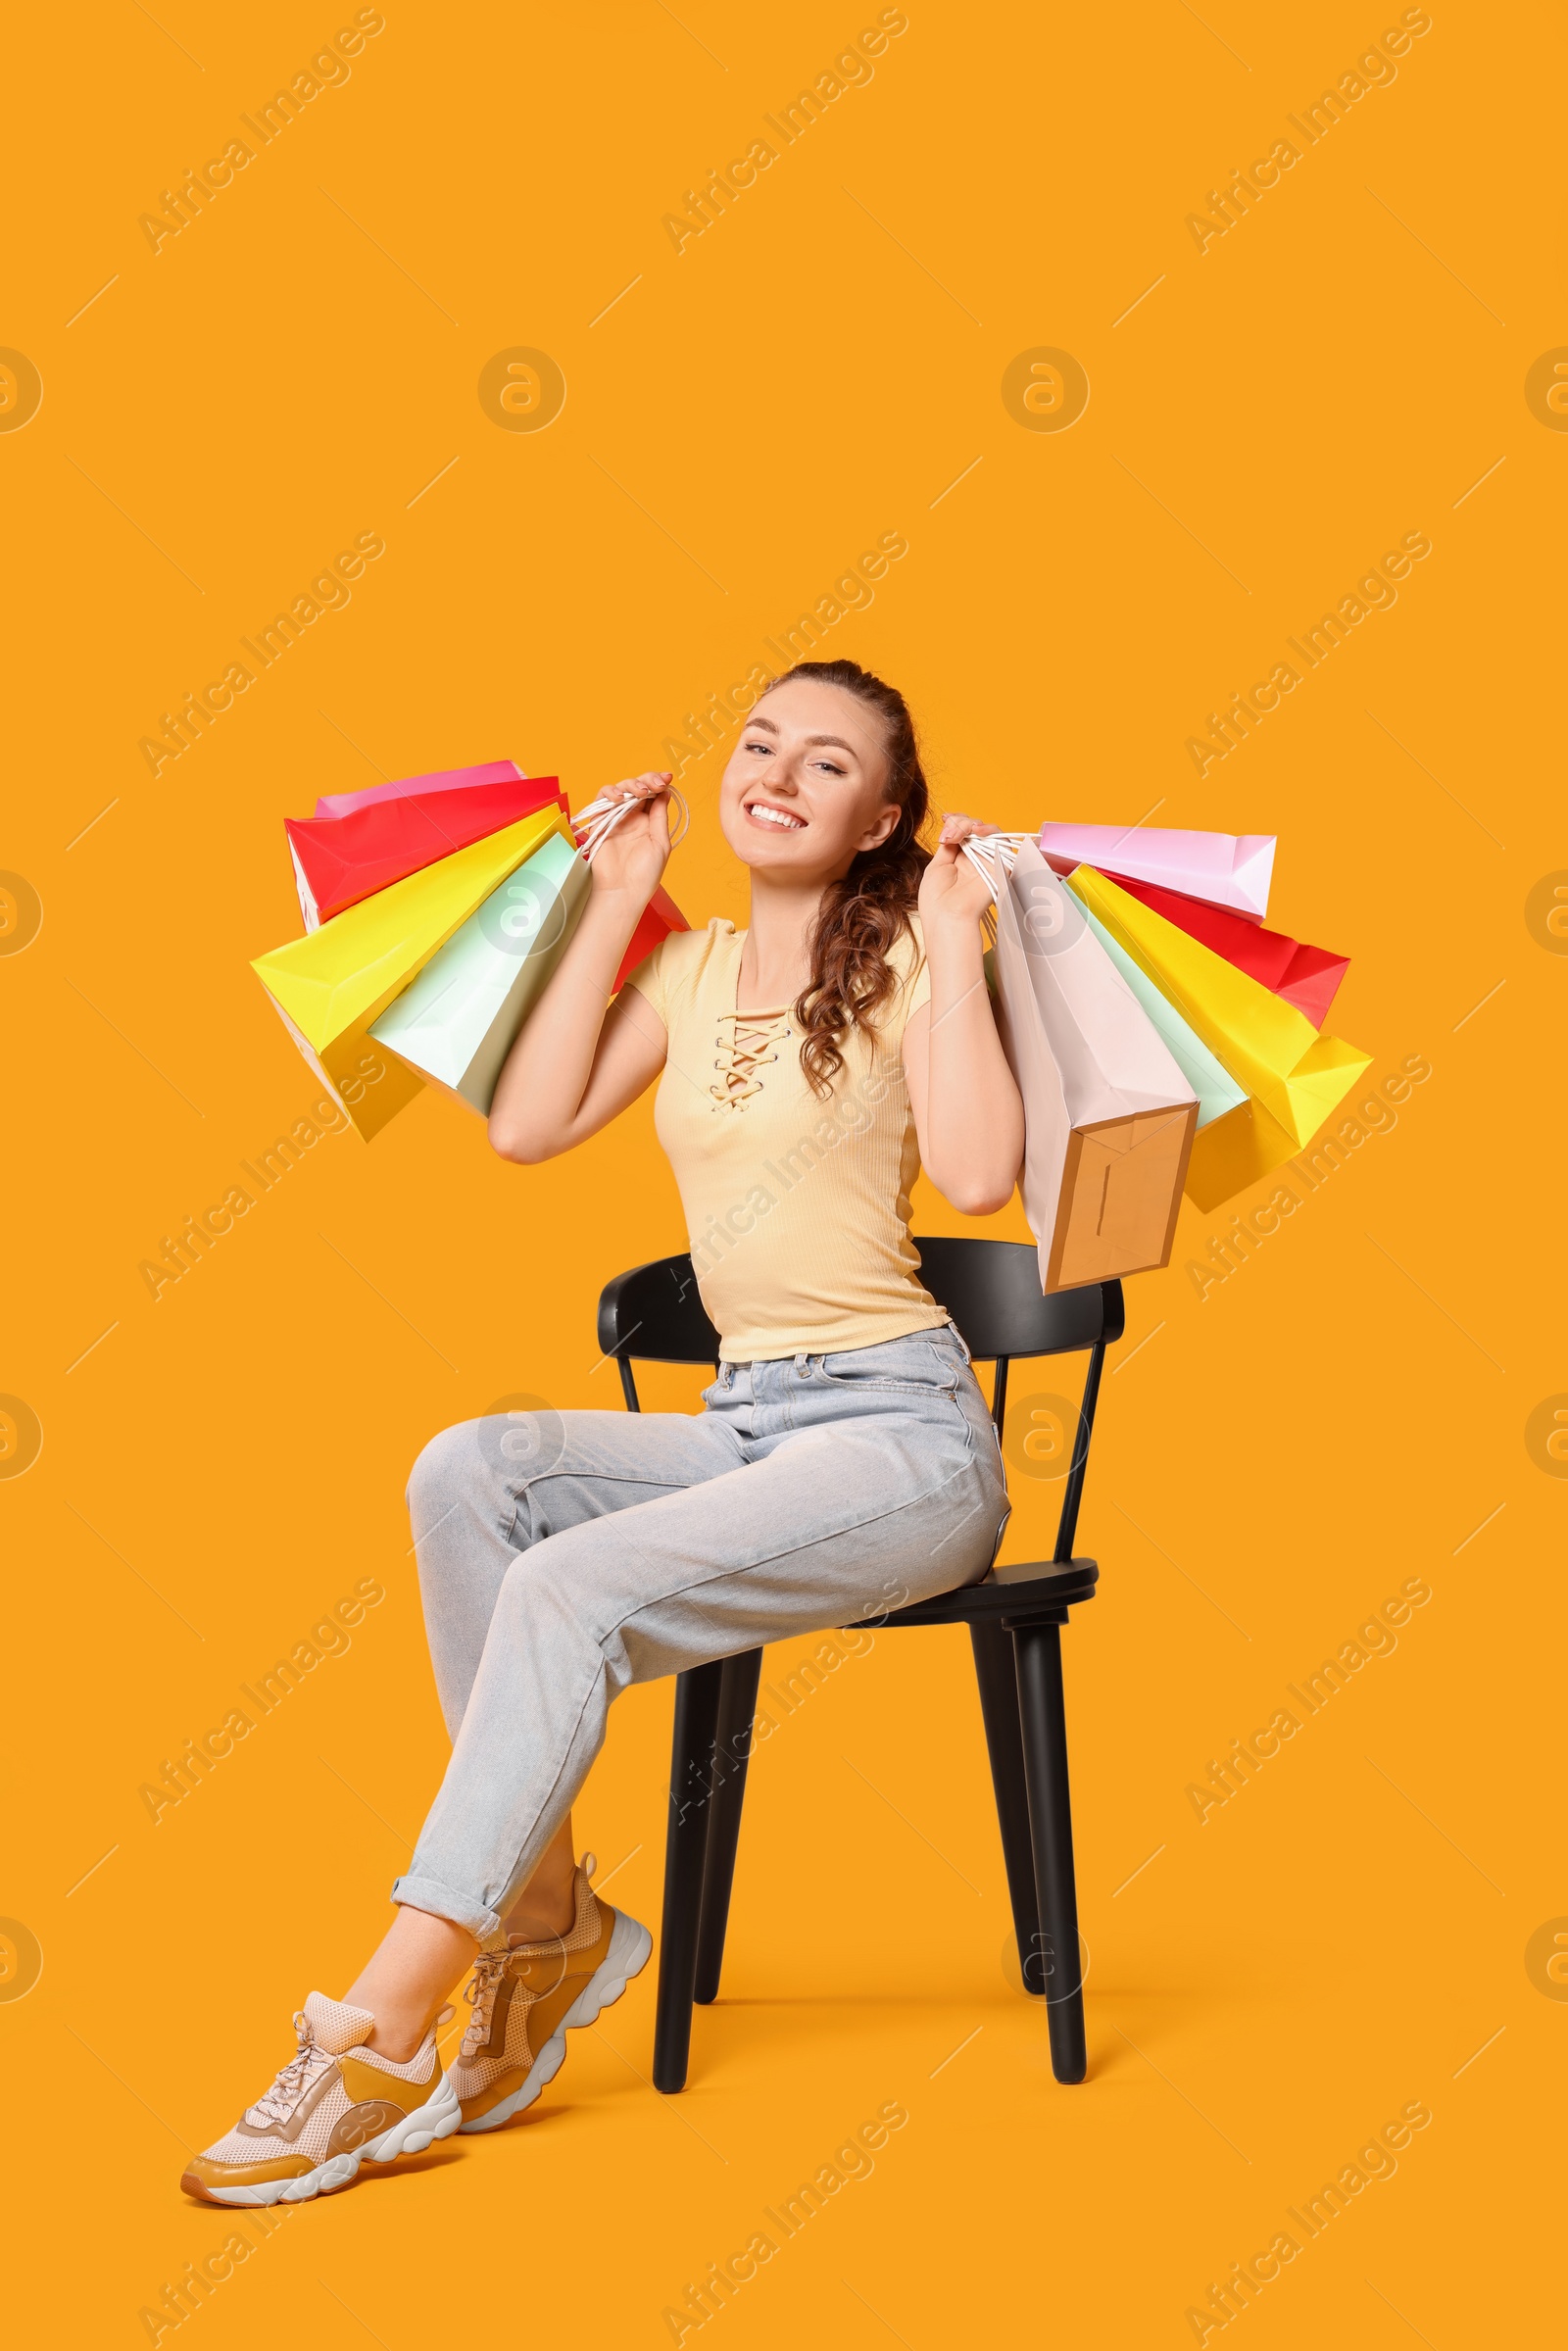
(767, 815)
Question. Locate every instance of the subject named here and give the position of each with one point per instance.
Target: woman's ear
(878, 831)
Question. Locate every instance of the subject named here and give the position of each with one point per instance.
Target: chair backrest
(652, 1314)
(991, 1290)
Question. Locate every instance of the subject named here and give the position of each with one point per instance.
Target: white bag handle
(992, 854)
(600, 818)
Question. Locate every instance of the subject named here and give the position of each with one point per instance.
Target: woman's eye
(829, 767)
(756, 747)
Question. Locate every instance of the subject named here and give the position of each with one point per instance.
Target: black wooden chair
(991, 1290)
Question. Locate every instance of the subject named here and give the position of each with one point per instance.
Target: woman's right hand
(632, 858)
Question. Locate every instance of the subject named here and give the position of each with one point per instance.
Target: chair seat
(1034, 1591)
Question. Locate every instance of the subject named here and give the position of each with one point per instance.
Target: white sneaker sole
(630, 1945)
(438, 2118)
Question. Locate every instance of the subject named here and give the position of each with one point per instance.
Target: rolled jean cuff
(444, 1902)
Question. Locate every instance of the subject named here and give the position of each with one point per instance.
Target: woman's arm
(967, 1111)
(573, 1069)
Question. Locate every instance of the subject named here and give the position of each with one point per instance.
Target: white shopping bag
(1109, 1115)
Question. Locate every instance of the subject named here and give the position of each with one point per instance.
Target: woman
(843, 1460)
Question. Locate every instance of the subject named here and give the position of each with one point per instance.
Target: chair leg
(1044, 1726)
(996, 1671)
(737, 1710)
(691, 1773)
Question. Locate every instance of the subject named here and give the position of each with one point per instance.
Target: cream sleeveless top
(796, 1209)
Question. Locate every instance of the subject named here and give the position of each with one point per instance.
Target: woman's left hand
(951, 888)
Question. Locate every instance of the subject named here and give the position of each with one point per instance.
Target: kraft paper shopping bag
(331, 984)
(340, 859)
(1109, 1115)
(458, 1022)
(1307, 977)
(1267, 1045)
(1224, 869)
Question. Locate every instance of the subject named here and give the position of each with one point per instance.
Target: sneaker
(336, 2104)
(528, 1996)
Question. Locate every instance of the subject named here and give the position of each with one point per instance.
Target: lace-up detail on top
(481, 1993)
(750, 1045)
(308, 2061)
(826, 1266)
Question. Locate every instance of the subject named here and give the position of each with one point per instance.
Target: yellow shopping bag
(1293, 1076)
(330, 985)
(1238, 1149)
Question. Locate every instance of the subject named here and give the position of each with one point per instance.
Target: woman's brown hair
(863, 916)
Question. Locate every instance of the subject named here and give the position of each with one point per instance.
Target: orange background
(1346, 364)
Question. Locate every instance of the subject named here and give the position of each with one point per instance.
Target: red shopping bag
(660, 917)
(445, 779)
(1306, 977)
(338, 860)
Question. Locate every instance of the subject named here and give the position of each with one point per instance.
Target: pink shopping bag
(1222, 868)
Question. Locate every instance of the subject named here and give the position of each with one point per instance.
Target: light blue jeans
(564, 1556)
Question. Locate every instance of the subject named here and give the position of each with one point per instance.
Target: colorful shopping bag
(1216, 1090)
(1237, 1150)
(340, 859)
(1109, 1115)
(331, 984)
(1307, 977)
(593, 828)
(458, 1022)
(1294, 1077)
(445, 779)
(658, 919)
(1222, 868)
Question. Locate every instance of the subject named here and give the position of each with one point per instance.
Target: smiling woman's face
(804, 789)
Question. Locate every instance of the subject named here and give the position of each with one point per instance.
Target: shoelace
(600, 816)
(295, 2078)
(746, 1053)
(481, 1993)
